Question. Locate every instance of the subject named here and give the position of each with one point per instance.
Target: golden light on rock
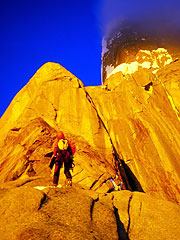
(129, 127)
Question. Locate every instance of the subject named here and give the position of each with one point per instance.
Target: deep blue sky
(68, 32)
(34, 32)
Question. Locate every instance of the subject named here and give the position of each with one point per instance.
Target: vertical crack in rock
(129, 222)
(122, 234)
(55, 109)
(43, 200)
(117, 164)
(134, 80)
(140, 208)
(89, 98)
(92, 207)
(55, 117)
(80, 83)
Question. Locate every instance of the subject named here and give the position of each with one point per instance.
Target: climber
(117, 185)
(63, 153)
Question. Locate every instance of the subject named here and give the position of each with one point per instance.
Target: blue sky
(68, 32)
(34, 32)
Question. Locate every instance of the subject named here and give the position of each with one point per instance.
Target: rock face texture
(75, 213)
(128, 129)
(141, 113)
(54, 100)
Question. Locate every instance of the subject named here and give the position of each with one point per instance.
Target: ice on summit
(125, 68)
(146, 59)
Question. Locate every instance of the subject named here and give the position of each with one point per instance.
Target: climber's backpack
(63, 144)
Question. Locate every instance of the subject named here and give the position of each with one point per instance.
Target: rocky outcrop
(144, 217)
(75, 213)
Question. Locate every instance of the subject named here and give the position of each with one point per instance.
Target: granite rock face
(141, 112)
(128, 129)
(54, 100)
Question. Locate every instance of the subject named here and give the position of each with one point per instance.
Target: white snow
(107, 42)
(146, 64)
(155, 64)
(168, 61)
(155, 71)
(109, 69)
(145, 51)
(160, 50)
(156, 58)
(125, 68)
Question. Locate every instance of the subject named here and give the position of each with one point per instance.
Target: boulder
(76, 213)
(145, 217)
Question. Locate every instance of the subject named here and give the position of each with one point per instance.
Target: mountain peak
(51, 71)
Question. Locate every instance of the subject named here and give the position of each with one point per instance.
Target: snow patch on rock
(109, 69)
(154, 60)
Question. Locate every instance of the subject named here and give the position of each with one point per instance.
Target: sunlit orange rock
(54, 100)
(141, 112)
(129, 127)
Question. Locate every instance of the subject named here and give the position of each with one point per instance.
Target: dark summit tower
(128, 38)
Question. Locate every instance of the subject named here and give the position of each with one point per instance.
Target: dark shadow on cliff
(120, 227)
(132, 180)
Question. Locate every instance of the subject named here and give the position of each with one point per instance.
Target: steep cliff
(140, 109)
(127, 127)
(54, 100)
